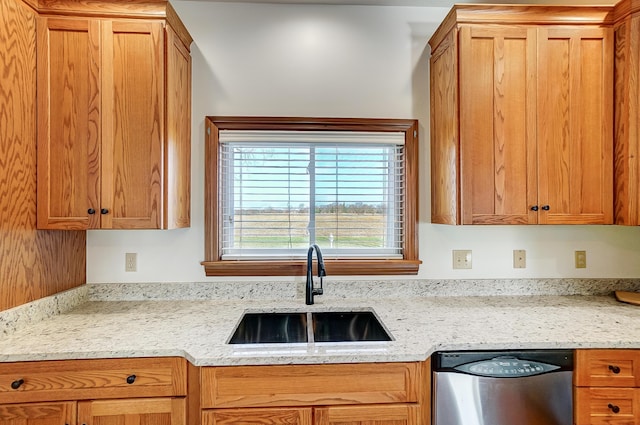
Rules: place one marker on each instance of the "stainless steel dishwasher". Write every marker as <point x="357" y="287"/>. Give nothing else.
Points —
<point x="503" y="387"/>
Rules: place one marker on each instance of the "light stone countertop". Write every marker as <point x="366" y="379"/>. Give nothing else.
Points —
<point x="198" y="329"/>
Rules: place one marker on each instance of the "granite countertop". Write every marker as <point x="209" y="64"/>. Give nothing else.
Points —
<point x="198" y="329"/>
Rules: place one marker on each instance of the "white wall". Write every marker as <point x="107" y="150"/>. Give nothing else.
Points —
<point x="346" y="61"/>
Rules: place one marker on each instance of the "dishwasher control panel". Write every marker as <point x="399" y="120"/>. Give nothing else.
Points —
<point x="505" y="367"/>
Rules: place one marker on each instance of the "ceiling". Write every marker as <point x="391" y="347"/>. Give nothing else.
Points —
<point x="420" y="3"/>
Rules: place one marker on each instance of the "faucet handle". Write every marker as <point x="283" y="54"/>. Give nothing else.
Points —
<point x="320" y="290"/>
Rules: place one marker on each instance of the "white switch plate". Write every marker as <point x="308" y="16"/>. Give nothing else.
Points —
<point x="581" y="259"/>
<point x="461" y="258"/>
<point x="519" y="259"/>
<point x="131" y="262"/>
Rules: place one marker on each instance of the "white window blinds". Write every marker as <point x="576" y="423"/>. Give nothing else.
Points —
<point x="281" y="191"/>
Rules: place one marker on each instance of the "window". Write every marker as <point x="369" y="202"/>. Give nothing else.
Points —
<point x="276" y="185"/>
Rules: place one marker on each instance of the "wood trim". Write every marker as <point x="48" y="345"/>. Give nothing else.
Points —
<point x="104" y="8"/>
<point x="213" y="264"/>
<point x="177" y="25"/>
<point x="299" y="268"/>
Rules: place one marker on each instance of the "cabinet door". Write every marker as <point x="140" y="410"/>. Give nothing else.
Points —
<point x="406" y="414"/>
<point x="607" y="406"/>
<point x="277" y="416"/>
<point x="68" y="123"/>
<point x="497" y="124"/>
<point x="143" y="411"/>
<point x="62" y="413"/>
<point x="575" y="125"/>
<point x="133" y="124"/>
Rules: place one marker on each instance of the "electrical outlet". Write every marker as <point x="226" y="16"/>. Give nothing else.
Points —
<point x="131" y="262"/>
<point x="581" y="259"/>
<point x="462" y="259"/>
<point x="519" y="259"/>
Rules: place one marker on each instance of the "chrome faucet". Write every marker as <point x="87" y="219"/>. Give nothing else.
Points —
<point x="311" y="290"/>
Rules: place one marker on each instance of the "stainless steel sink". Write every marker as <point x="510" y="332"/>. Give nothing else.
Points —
<point x="348" y="326"/>
<point x="264" y="328"/>
<point x="303" y="327"/>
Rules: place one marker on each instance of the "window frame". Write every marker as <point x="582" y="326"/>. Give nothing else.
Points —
<point x="213" y="263"/>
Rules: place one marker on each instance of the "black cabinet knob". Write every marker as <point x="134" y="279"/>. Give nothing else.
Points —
<point x="104" y="211"/>
<point x="614" y="408"/>
<point x="546" y="207"/>
<point x="17" y="383"/>
<point x="534" y="208"/>
<point x="91" y="211"/>
<point x="131" y="379"/>
<point x="614" y="369"/>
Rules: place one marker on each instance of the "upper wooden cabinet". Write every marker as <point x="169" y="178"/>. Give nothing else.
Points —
<point x="627" y="113"/>
<point x="522" y="116"/>
<point x="114" y="119"/>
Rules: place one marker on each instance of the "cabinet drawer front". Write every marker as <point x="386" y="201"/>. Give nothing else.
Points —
<point x="595" y="406"/>
<point x="94" y="379"/>
<point x="309" y="385"/>
<point x="607" y="368"/>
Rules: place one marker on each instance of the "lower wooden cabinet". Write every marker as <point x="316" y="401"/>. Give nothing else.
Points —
<point x="403" y="414"/>
<point x="329" y="394"/>
<point x="150" y="391"/>
<point x="61" y="413"/>
<point x="600" y="406"/>
<point x="607" y="387"/>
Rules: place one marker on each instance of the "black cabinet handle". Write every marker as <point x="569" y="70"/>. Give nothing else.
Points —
<point x="91" y="211"/>
<point x="17" y="383"/>
<point x="614" y="369"/>
<point x="534" y="208"/>
<point x="104" y="211"/>
<point x="131" y="379"/>
<point x="614" y="408"/>
<point x="546" y="207"/>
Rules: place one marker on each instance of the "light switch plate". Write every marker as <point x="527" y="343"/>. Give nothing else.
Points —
<point x="461" y="258"/>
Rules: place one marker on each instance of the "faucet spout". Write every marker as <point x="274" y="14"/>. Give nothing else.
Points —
<point x="311" y="290"/>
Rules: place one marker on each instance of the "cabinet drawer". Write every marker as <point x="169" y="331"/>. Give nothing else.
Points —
<point x="307" y="385"/>
<point x="91" y="379"/>
<point x="596" y="406"/>
<point x="607" y="368"/>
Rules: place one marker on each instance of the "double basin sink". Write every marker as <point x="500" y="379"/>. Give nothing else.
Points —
<point x="308" y="327"/>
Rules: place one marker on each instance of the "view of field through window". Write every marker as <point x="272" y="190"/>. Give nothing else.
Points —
<point x="284" y="197"/>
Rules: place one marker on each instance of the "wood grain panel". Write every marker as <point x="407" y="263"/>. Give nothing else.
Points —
<point x="445" y="153"/>
<point x="33" y="264"/>
<point x="178" y="140"/>
<point x="407" y="414"/>
<point x="275" y="416"/>
<point x="607" y="406"/>
<point x="86" y="379"/>
<point x="497" y="104"/>
<point x="139" y="411"/>
<point x="38" y="414"/>
<point x="133" y="124"/>
<point x="268" y="386"/>
<point x="68" y="123"/>
<point x="627" y="122"/>
<point x="607" y="368"/>
<point x="575" y="125"/>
